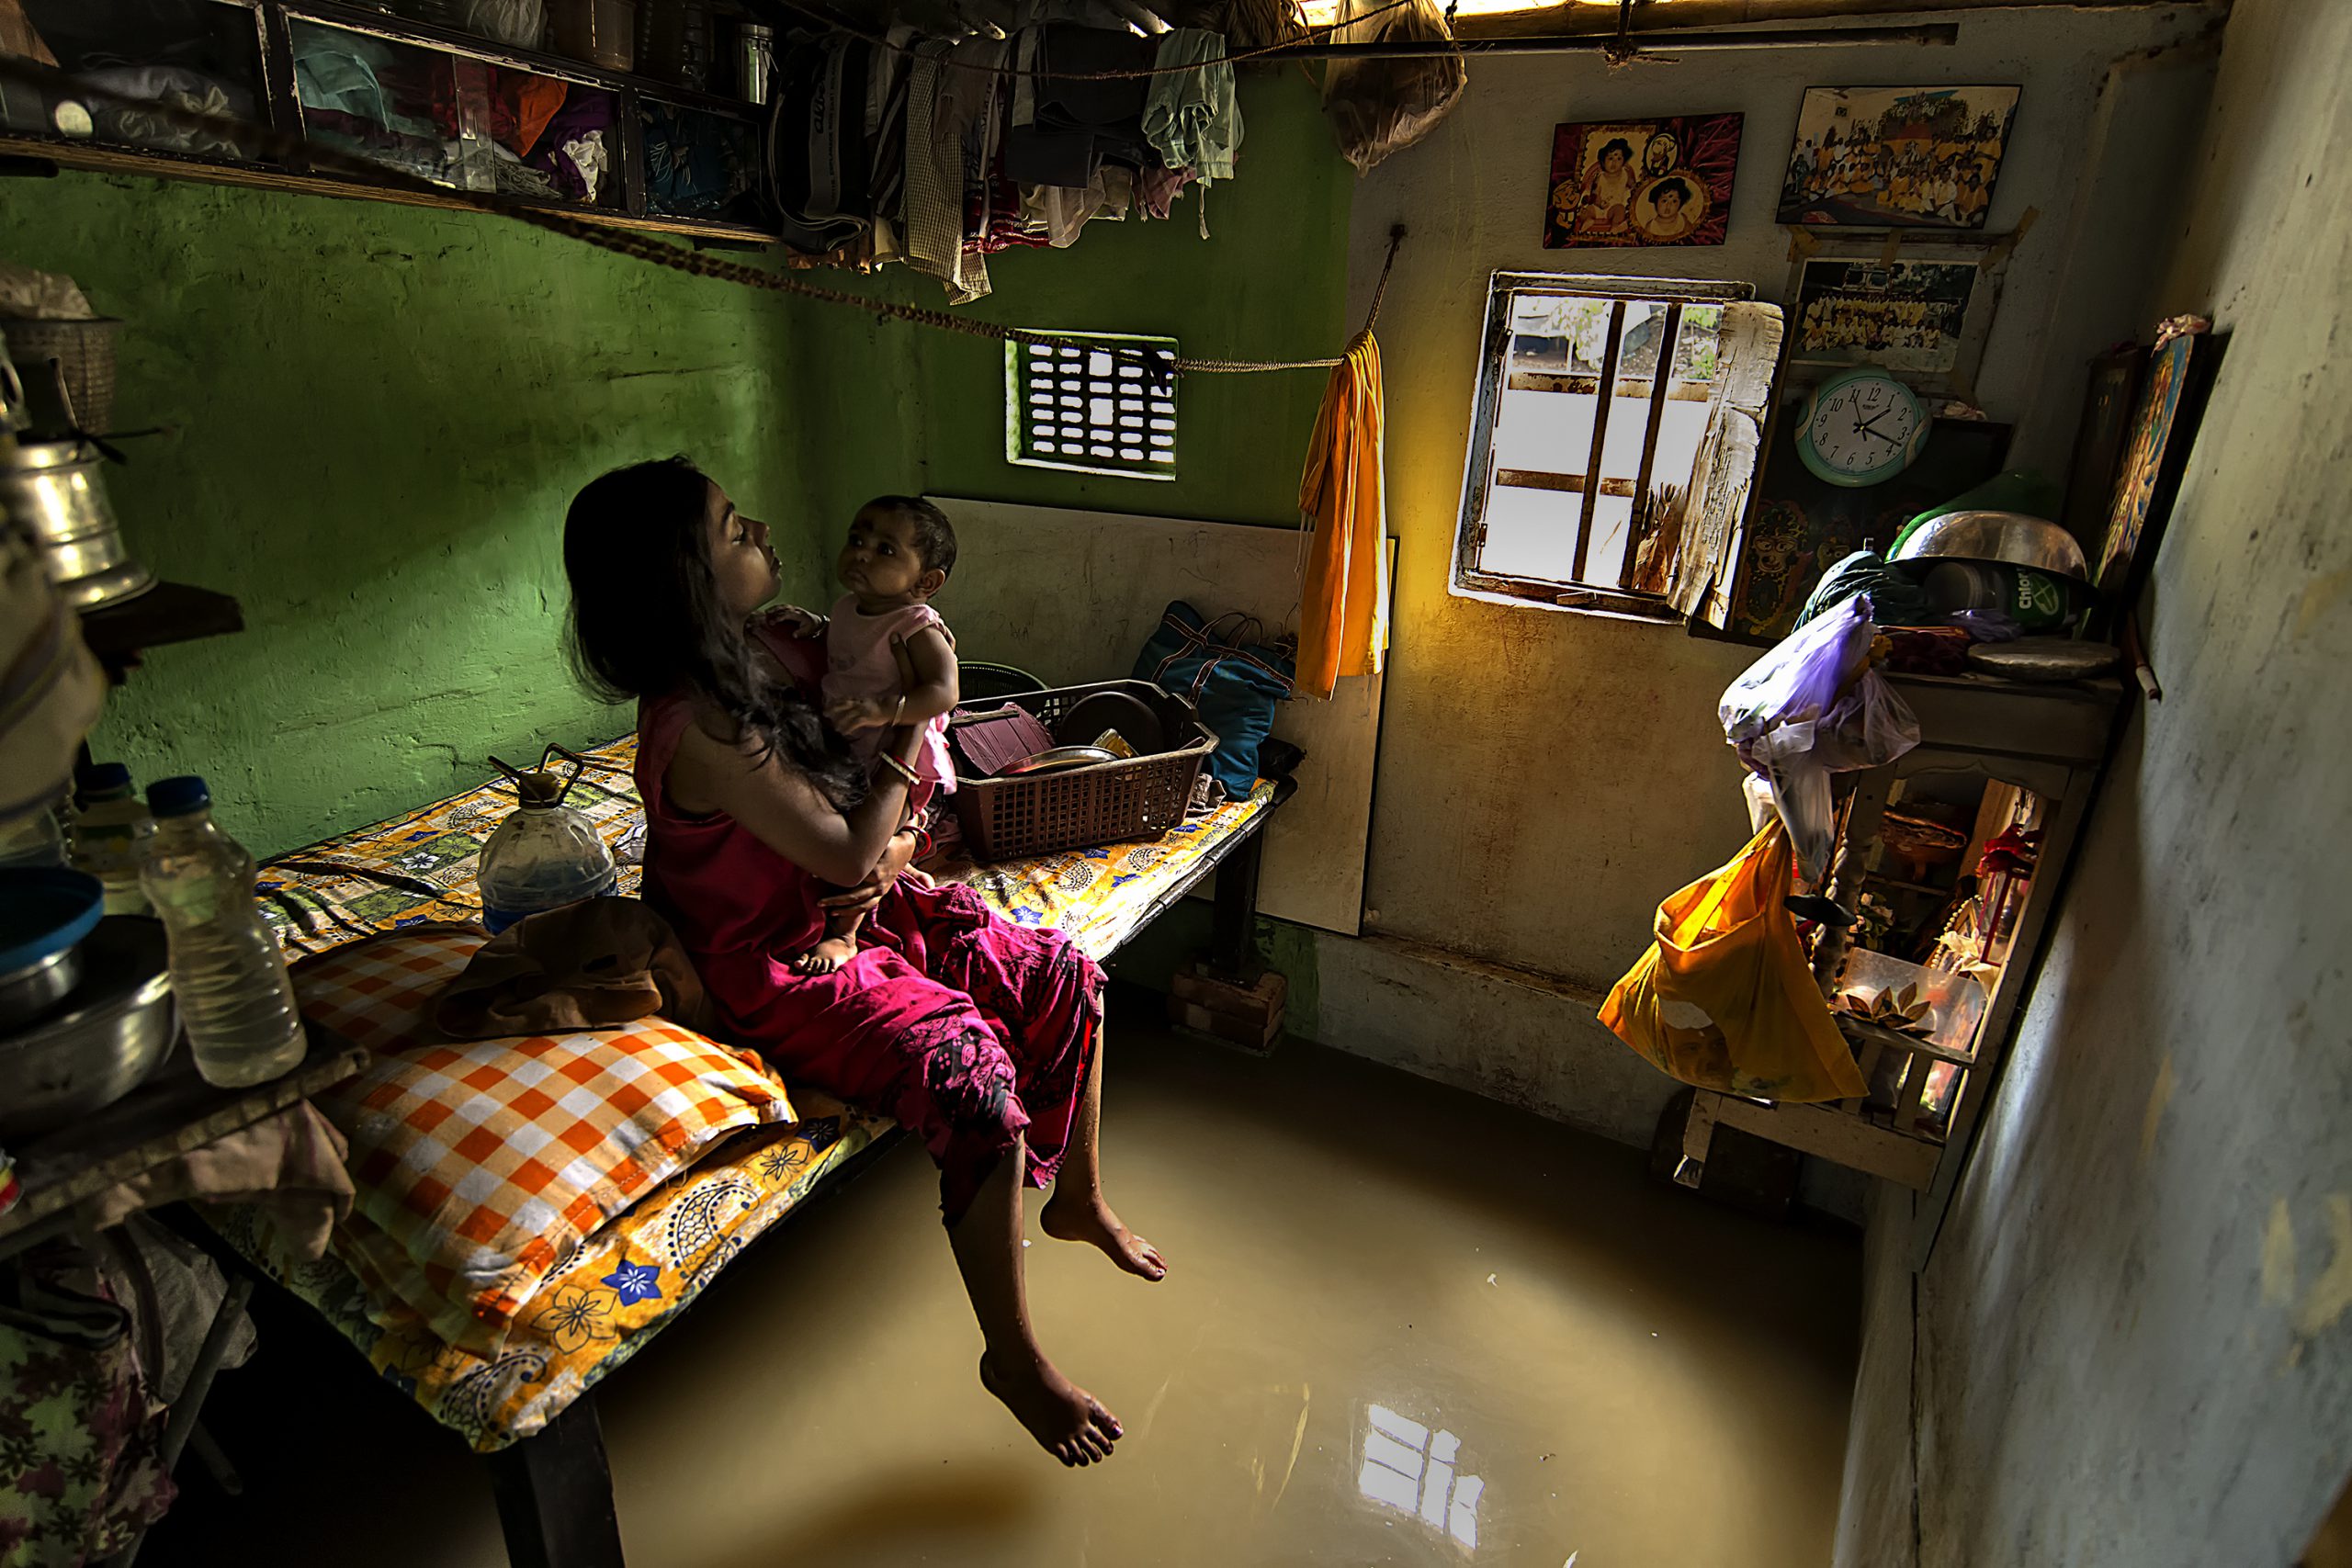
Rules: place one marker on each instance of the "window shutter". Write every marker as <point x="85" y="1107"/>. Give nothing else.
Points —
<point x="1093" y="403"/>
<point x="1699" y="579"/>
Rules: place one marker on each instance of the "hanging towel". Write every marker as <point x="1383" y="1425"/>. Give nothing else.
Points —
<point x="935" y="176"/>
<point x="1192" y="118"/>
<point x="1343" y="615"/>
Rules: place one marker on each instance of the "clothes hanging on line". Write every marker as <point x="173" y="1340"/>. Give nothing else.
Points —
<point x="938" y="154"/>
<point x="1193" y="120"/>
<point x="1342" y="500"/>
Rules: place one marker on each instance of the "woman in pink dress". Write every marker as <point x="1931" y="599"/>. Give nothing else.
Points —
<point x="982" y="1038"/>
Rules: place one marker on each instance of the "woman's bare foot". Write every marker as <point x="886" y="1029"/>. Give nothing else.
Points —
<point x="1067" y="1422"/>
<point x="1092" y="1221"/>
<point x="826" y="956"/>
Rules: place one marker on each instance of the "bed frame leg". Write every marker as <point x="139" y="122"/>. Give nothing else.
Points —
<point x="555" y="1495"/>
<point x="1233" y="940"/>
<point x="1698" y="1138"/>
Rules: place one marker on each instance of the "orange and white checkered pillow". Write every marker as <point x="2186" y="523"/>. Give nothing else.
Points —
<point x="481" y="1165"/>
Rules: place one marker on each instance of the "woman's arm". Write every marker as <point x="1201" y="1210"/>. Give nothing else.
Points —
<point x="787" y="812"/>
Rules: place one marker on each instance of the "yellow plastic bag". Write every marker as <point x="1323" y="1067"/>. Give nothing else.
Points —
<point x="1722" y="999"/>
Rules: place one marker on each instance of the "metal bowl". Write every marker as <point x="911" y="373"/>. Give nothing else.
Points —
<point x="2044" y="659"/>
<point x="2011" y="537"/>
<point x="45" y="913"/>
<point x="1061" y="759"/>
<point x="116" y="1029"/>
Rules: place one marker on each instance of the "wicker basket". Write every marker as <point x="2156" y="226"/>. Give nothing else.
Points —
<point x="85" y="354"/>
<point x="1137" y="797"/>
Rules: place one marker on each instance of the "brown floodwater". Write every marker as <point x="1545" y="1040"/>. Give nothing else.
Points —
<point x="1403" y="1324"/>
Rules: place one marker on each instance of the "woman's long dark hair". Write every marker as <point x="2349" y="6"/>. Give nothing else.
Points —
<point x="646" y="618"/>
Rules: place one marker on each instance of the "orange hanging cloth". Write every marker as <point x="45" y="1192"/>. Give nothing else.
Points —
<point x="1343" y="610"/>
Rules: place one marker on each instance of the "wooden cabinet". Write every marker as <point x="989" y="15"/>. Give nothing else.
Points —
<point x="1993" y="755"/>
<point x="338" y="87"/>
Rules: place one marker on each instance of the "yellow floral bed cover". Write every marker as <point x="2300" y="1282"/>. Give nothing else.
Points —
<point x="644" y="1268"/>
<point x="420" y="867"/>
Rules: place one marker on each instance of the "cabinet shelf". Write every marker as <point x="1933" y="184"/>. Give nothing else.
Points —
<point x="167" y="613"/>
<point x="538" y="61"/>
<point x="29" y="148"/>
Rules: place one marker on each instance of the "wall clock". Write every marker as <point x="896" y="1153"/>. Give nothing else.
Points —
<point x="1860" y="428"/>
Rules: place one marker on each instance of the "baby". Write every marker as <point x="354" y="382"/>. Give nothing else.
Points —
<point x="900" y="552"/>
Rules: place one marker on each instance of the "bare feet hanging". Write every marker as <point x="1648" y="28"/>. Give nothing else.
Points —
<point x="1091" y="1220"/>
<point x="1067" y="1422"/>
<point x="826" y="956"/>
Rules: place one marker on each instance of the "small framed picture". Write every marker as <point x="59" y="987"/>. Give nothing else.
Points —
<point x="2171" y="401"/>
<point x="1918" y="306"/>
<point x="1896" y="157"/>
<point x="1642" y="182"/>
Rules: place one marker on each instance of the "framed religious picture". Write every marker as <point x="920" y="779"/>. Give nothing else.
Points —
<point x="2164" y="423"/>
<point x="2110" y="399"/>
<point x="1800" y="524"/>
<point x="1642" y="182"/>
<point x="1920" y="308"/>
<point x="1896" y="157"/>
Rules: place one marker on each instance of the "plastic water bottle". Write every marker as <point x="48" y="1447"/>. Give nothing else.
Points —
<point x="111" y="832"/>
<point x="226" y="971"/>
<point x="543" y="857"/>
<point x="32" y="840"/>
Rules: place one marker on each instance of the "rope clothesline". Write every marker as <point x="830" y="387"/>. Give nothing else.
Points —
<point x="293" y="152"/>
<point x="881" y="41"/>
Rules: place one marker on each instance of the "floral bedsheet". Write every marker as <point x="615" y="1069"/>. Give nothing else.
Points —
<point x="609" y="1301"/>
<point x="420" y="867"/>
<point x="643" y="1268"/>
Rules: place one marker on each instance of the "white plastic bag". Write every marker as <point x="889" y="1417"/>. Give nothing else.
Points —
<point x="1379" y="106"/>
<point x="518" y="22"/>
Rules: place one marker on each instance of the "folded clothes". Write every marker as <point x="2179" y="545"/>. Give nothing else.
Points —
<point x="575" y="148"/>
<point x="989" y="743"/>
<point x="595" y="965"/>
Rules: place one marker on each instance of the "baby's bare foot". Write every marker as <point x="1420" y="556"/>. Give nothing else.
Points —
<point x="1091" y="1220"/>
<point x="1067" y="1422"/>
<point x="826" y="956"/>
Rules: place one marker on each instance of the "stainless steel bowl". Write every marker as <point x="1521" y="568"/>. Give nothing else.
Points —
<point x="47" y="912"/>
<point x="1061" y="759"/>
<point x="117" y="1028"/>
<point x="33" y="990"/>
<point x="2011" y="537"/>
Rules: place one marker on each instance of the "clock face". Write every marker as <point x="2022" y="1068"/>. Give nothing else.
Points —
<point x="1862" y="428"/>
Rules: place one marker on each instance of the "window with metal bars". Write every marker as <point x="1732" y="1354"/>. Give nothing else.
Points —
<point x="1595" y="444"/>
<point x="1096" y="404"/>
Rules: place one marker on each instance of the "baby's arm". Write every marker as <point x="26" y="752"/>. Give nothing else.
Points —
<point x="935" y="690"/>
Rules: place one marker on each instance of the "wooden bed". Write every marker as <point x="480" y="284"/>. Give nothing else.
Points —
<point x="527" y="1404"/>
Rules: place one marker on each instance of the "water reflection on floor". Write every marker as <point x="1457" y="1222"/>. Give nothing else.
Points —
<point x="1403" y="1325"/>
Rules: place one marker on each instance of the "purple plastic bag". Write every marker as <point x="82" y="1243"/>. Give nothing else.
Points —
<point x="1801" y="677"/>
<point x="1810" y="708"/>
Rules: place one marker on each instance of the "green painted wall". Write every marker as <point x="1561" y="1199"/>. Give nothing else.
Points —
<point x="908" y="408"/>
<point x="382" y="412"/>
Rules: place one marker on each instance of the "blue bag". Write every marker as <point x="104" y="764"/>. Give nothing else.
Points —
<point x="1235" y="683"/>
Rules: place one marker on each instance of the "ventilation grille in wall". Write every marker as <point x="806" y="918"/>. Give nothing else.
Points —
<point x="1101" y="404"/>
